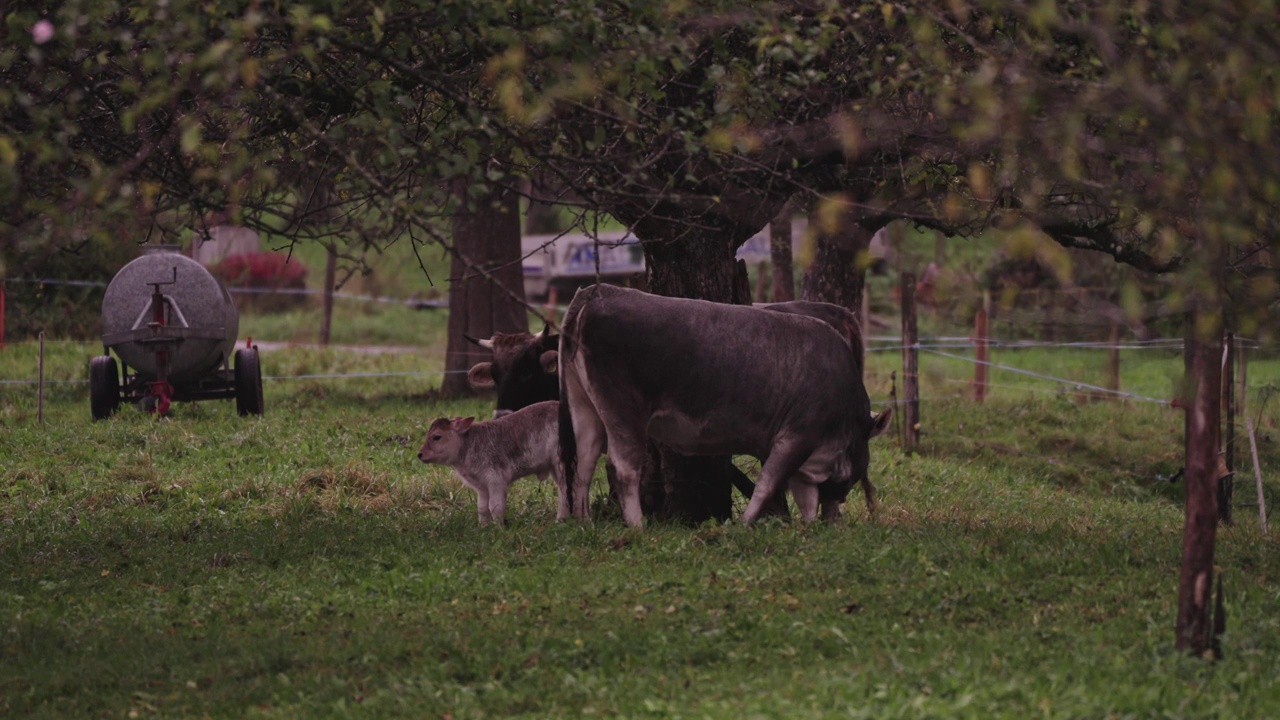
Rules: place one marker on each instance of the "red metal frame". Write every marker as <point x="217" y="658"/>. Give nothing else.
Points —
<point x="161" y="390"/>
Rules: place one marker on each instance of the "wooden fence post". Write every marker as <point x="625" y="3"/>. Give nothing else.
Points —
<point x="1257" y="475"/>
<point x="1113" y="359"/>
<point x="552" y="299"/>
<point x="330" y="276"/>
<point x="893" y="403"/>
<point x="1242" y="379"/>
<point x="864" y="316"/>
<point x="910" y="365"/>
<point x="981" y="334"/>
<point x="40" y="383"/>
<point x="1226" y="484"/>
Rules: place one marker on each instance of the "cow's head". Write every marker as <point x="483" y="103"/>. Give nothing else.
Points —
<point x="445" y="440"/>
<point x="833" y="492"/>
<point x="523" y="369"/>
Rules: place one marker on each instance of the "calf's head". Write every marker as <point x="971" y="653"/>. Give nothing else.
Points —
<point x="523" y="369"/>
<point x="445" y="440"/>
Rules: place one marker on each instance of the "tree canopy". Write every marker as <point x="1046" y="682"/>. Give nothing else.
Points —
<point x="1136" y="129"/>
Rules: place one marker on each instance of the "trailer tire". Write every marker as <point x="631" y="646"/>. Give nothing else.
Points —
<point x="104" y="386"/>
<point x="248" y="382"/>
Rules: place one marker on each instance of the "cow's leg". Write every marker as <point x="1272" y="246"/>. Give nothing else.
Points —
<point x="805" y="494"/>
<point x="577" y="407"/>
<point x="627" y="452"/>
<point x="589" y="435"/>
<point x="869" y="491"/>
<point x="783" y="462"/>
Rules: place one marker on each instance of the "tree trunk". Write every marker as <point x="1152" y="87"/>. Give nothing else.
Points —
<point x="484" y="276"/>
<point x="780" y="256"/>
<point x="692" y="489"/>
<point x="836" y="275"/>
<point x="1195" y="587"/>
<point x="696" y="267"/>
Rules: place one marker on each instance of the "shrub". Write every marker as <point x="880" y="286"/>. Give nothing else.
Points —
<point x="69" y="303"/>
<point x="264" y="272"/>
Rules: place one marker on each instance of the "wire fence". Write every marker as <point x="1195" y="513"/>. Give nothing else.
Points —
<point x="942" y="347"/>
<point x="308" y="292"/>
<point x="957" y="348"/>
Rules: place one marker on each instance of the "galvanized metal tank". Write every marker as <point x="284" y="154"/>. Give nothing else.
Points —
<point x="198" y="311"/>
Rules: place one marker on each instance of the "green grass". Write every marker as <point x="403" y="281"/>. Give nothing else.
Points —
<point x="304" y="564"/>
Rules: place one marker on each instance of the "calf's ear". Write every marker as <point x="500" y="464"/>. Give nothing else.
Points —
<point x="462" y="425"/>
<point x="480" y="376"/>
<point x="881" y="422"/>
<point x="550" y="361"/>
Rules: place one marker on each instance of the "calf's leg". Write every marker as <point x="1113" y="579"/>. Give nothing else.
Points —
<point x="482" y="503"/>
<point x="498" y="502"/>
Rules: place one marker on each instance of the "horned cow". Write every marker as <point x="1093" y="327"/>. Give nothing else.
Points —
<point x="522" y="370"/>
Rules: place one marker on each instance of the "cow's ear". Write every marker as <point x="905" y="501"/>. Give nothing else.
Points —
<point x="462" y="425"/>
<point x="480" y="376"/>
<point x="881" y="422"/>
<point x="550" y="361"/>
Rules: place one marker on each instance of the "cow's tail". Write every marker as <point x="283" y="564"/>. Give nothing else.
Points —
<point x="568" y="441"/>
<point x="568" y="444"/>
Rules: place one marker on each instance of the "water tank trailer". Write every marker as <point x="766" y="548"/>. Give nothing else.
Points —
<point x="173" y="325"/>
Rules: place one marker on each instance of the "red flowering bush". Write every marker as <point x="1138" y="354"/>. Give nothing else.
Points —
<point x="271" y="280"/>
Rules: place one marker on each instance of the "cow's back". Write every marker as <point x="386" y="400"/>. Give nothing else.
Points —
<point x="743" y="372"/>
<point x="841" y="319"/>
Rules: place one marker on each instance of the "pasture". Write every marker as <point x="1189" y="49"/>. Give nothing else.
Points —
<point x="304" y="564"/>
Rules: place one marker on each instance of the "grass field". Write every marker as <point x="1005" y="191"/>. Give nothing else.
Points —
<point x="304" y="564"/>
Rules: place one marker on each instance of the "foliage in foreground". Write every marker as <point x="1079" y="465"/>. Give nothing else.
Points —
<point x="305" y="565"/>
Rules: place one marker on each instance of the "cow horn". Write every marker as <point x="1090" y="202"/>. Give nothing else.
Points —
<point x="487" y="343"/>
<point x="541" y="333"/>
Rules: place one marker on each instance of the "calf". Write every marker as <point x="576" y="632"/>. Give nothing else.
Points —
<point x="489" y="456"/>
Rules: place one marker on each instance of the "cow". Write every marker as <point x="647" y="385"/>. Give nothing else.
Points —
<point x="832" y="493"/>
<point x="489" y="456"/>
<point x="711" y="379"/>
<point x="519" y="370"/>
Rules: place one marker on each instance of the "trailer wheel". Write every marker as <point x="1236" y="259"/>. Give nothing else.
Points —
<point x="104" y="386"/>
<point x="248" y="382"/>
